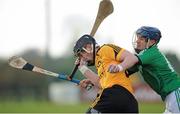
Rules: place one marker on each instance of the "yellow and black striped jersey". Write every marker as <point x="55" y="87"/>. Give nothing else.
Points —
<point x="106" y="55"/>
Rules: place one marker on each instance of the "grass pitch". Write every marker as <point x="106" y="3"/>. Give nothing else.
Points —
<point x="48" y="107"/>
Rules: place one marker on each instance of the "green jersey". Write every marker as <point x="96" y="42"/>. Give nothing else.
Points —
<point x="158" y="72"/>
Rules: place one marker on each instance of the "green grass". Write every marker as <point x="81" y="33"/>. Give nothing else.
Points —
<point x="151" y="107"/>
<point x="47" y="107"/>
<point x="37" y="106"/>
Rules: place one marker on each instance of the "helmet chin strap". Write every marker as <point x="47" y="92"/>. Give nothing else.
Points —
<point x="147" y="44"/>
<point x="91" y="63"/>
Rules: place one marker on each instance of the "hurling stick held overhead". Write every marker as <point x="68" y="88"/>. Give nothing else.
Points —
<point x="105" y="9"/>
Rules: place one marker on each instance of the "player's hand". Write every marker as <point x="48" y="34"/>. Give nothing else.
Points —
<point x="77" y="61"/>
<point x="114" y="68"/>
<point x="85" y="84"/>
<point x="81" y="62"/>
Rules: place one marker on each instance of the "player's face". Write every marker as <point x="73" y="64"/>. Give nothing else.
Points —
<point x="87" y="54"/>
<point x="140" y="43"/>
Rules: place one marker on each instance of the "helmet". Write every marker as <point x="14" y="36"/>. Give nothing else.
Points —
<point x="147" y="32"/>
<point x="151" y="33"/>
<point x="79" y="47"/>
<point x="83" y="40"/>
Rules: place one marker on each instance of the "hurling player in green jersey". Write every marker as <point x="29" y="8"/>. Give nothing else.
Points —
<point x="154" y="67"/>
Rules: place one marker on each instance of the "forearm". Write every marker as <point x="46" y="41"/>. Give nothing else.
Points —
<point x="89" y="74"/>
<point x="126" y="60"/>
<point x="129" y="62"/>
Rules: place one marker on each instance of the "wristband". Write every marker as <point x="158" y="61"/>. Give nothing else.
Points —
<point x="83" y="69"/>
<point x="120" y="67"/>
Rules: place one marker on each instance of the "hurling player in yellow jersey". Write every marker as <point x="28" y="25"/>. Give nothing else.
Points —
<point x="116" y="93"/>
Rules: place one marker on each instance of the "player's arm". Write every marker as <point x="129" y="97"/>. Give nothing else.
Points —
<point x="89" y="74"/>
<point x="126" y="59"/>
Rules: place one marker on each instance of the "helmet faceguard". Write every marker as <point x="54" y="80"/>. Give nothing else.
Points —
<point x="134" y="43"/>
<point x="149" y="33"/>
<point x="80" y="47"/>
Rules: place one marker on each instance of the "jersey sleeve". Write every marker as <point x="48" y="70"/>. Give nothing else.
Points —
<point x="107" y="53"/>
<point x="112" y="52"/>
<point x="119" y="54"/>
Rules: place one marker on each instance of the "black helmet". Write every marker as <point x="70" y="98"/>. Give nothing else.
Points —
<point x="83" y="40"/>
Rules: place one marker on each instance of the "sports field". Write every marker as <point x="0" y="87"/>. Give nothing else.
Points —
<point x="47" y="107"/>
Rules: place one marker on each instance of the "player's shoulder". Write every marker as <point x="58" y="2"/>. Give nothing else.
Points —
<point x="104" y="49"/>
<point x="112" y="46"/>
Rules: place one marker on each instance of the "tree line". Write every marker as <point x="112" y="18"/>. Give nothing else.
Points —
<point x="18" y="84"/>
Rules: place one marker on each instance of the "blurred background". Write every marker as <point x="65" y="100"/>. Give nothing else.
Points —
<point x="44" y="33"/>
